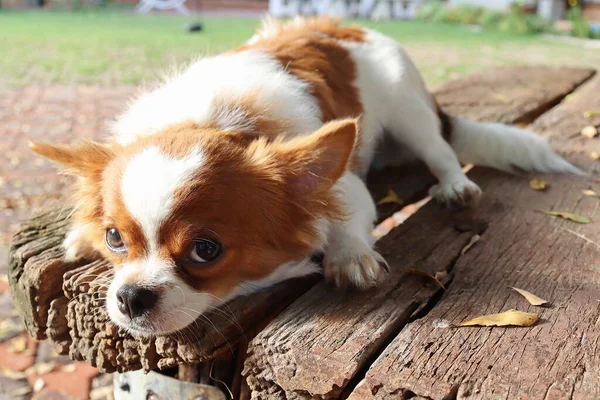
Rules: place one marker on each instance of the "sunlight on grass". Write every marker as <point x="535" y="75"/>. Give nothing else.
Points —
<point x="110" y="48"/>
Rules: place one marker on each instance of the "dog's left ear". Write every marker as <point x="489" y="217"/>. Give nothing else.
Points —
<point x="85" y="159"/>
<point x="315" y="162"/>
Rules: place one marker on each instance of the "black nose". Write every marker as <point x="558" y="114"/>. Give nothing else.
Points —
<point x="134" y="300"/>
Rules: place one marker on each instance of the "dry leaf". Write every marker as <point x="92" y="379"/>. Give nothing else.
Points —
<point x="566" y="215"/>
<point x="591" y="113"/>
<point x="441" y="275"/>
<point x="507" y="318"/>
<point x="69" y="368"/>
<point x="412" y="271"/>
<point x="18" y="345"/>
<point x="391" y="197"/>
<point x="439" y="323"/>
<point x="531" y="298"/>
<point x="468" y="246"/>
<point x="41" y="368"/>
<point x="12" y="374"/>
<point x="594" y="155"/>
<point x="38" y="385"/>
<point x="590" y="193"/>
<point x="589" y="131"/>
<point x="20" y="392"/>
<point x="538" y="184"/>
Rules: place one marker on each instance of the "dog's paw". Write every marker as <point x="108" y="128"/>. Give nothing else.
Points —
<point x="361" y="270"/>
<point x="462" y="193"/>
<point x="76" y="246"/>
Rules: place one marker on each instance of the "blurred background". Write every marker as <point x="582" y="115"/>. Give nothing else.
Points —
<point x="67" y="67"/>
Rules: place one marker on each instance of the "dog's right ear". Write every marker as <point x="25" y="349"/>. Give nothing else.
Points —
<point x="85" y="159"/>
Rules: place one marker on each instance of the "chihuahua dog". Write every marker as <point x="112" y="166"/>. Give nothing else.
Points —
<point x="229" y="176"/>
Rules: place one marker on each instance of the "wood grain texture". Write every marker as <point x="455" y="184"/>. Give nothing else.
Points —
<point x="558" y="358"/>
<point x="320" y="345"/>
<point x="509" y="94"/>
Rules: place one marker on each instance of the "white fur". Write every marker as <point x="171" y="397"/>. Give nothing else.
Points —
<point x="504" y="147"/>
<point x="149" y="183"/>
<point x="349" y="256"/>
<point x="196" y="95"/>
<point x="178" y="306"/>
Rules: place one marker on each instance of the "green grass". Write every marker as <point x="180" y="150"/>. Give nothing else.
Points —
<point x="113" y="48"/>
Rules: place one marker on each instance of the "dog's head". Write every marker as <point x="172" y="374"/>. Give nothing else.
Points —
<point x="189" y="214"/>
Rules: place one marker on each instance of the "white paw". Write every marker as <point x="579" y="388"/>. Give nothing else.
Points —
<point x="76" y="246"/>
<point x="361" y="270"/>
<point x="461" y="193"/>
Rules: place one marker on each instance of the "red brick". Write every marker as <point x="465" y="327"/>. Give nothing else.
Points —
<point x="77" y="383"/>
<point x="17" y="361"/>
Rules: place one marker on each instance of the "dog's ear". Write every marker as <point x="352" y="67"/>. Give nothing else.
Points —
<point x="85" y="159"/>
<point x="315" y="162"/>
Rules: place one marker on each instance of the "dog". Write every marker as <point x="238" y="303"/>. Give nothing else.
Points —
<point x="228" y="177"/>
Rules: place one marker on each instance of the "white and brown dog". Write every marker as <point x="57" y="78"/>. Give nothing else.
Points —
<point x="229" y="176"/>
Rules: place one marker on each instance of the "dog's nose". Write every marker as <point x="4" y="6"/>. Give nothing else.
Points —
<point x="134" y="300"/>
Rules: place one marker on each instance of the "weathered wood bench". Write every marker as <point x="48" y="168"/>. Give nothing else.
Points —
<point x="303" y="339"/>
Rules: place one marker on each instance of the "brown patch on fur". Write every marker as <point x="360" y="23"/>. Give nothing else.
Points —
<point x="86" y="160"/>
<point x="310" y="50"/>
<point x="324" y="25"/>
<point x="256" y="119"/>
<point x="244" y="198"/>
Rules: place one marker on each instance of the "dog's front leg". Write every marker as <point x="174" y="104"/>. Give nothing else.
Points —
<point x="349" y="256"/>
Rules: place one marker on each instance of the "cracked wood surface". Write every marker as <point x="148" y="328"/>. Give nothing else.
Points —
<point x="320" y="345"/>
<point x="558" y="358"/>
<point x="59" y="300"/>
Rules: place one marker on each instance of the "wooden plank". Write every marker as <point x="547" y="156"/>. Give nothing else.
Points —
<point x="525" y="93"/>
<point x="321" y="344"/>
<point x="84" y="332"/>
<point x="559" y="358"/>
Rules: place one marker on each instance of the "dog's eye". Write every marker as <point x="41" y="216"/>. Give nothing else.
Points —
<point x="205" y="250"/>
<point x="114" y="241"/>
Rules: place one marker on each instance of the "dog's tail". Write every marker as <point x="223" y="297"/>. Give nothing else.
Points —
<point x="504" y="147"/>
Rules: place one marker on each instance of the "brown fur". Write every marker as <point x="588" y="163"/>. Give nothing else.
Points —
<point x="311" y="51"/>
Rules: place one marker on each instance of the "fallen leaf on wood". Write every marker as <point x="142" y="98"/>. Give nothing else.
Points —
<point x="12" y="374"/>
<point x="507" y="318"/>
<point x="566" y="215"/>
<point x="20" y="392"/>
<point x="538" y="184"/>
<point x="9" y="328"/>
<point x="413" y="271"/>
<point x="440" y="275"/>
<point x="38" y="385"/>
<point x="530" y="297"/>
<point x="41" y="368"/>
<point x="589" y="132"/>
<point x="471" y="243"/>
<point x="590" y="193"/>
<point x="594" y="155"/>
<point x="392" y="198"/>
<point x="591" y="113"/>
<point x="69" y="368"/>
<point x="18" y="345"/>
<point x="439" y="323"/>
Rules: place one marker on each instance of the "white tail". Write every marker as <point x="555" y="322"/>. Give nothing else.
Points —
<point x="505" y="148"/>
